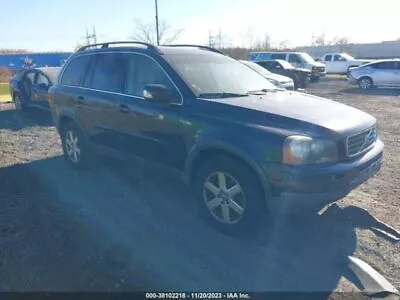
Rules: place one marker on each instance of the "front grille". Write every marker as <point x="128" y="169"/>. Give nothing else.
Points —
<point x="321" y="69"/>
<point x="360" y="142"/>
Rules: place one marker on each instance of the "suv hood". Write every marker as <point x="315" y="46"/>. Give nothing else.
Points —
<point x="329" y="114"/>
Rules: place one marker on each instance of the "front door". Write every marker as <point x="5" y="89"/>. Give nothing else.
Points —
<point x="158" y="137"/>
<point x="384" y="73"/>
<point x="40" y="90"/>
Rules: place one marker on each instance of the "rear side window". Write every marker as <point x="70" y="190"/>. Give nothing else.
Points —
<point x="328" y="58"/>
<point x="108" y="73"/>
<point x="338" y="58"/>
<point x="142" y="70"/>
<point x="278" y="56"/>
<point x="294" y="58"/>
<point x="75" y="70"/>
<point x="385" y="65"/>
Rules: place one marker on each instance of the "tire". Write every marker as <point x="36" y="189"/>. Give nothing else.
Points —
<point x="236" y="214"/>
<point x="75" y="147"/>
<point x="18" y="103"/>
<point x="365" y="83"/>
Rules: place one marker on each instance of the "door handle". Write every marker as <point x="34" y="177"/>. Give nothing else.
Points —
<point x="80" y="99"/>
<point x="124" y="109"/>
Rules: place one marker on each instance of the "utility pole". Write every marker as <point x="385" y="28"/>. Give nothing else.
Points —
<point x="91" y="36"/>
<point x="157" y="28"/>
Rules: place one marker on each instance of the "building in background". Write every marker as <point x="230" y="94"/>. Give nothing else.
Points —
<point x="32" y="60"/>
<point x="388" y="49"/>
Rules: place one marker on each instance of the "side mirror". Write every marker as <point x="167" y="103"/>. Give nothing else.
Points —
<point x="159" y="93"/>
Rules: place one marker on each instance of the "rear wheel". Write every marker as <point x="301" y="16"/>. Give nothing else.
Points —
<point x="229" y="196"/>
<point x="365" y="83"/>
<point x="75" y="147"/>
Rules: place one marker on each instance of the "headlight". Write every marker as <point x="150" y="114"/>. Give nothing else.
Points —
<point x="299" y="150"/>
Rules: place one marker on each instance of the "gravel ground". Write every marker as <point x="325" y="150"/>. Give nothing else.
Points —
<point x="134" y="227"/>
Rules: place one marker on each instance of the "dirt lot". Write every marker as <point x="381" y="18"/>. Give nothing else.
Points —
<point x="133" y="227"/>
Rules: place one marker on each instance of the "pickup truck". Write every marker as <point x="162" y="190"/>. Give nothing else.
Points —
<point x="340" y="63"/>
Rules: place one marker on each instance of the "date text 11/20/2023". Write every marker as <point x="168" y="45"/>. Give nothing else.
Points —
<point x="228" y="295"/>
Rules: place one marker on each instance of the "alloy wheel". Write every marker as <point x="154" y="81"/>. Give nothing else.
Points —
<point x="72" y="146"/>
<point x="365" y="83"/>
<point x="224" y="198"/>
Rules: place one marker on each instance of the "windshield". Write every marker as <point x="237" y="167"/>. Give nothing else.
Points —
<point x="307" y="58"/>
<point x="256" y="68"/>
<point x="285" y="64"/>
<point x="214" y="74"/>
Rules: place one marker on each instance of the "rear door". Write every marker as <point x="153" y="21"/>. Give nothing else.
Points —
<point x="99" y="105"/>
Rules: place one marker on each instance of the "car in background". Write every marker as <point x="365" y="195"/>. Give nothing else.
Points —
<point x="341" y="63"/>
<point x="300" y="76"/>
<point x="297" y="59"/>
<point x="278" y="80"/>
<point x="381" y="73"/>
<point x="29" y="88"/>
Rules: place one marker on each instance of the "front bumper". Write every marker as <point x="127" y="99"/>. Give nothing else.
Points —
<point x="318" y="185"/>
<point x="351" y="80"/>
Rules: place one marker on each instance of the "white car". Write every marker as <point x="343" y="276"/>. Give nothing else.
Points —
<point x="341" y="63"/>
<point x="381" y="73"/>
<point x="278" y="80"/>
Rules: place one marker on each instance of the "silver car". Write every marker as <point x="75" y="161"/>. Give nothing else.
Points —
<point x="276" y="79"/>
<point x="381" y="73"/>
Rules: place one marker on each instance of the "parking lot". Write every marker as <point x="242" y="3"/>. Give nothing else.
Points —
<point x="130" y="227"/>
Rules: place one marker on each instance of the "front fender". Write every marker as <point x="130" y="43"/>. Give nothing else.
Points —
<point x="228" y="147"/>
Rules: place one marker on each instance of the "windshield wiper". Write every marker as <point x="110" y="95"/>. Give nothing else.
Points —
<point x="264" y="91"/>
<point x="222" y="95"/>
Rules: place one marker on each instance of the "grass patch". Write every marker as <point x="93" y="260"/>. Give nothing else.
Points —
<point x="4" y="93"/>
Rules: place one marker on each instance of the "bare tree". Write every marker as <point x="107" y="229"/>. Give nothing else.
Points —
<point x="146" y="32"/>
<point x="318" y="40"/>
<point x="264" y="43"/>
<point x="283" y="45"/>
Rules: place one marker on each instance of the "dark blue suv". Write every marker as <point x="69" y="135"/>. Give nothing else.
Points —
<point x="243" y="145"/>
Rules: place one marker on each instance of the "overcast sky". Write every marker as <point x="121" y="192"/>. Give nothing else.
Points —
<point x="50" y="25"/>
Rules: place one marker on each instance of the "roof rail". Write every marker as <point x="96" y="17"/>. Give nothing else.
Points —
<point x="106" y="44"/>
<point x="196" y="46"/>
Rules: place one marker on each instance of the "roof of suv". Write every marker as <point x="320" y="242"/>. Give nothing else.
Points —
<point x="145" y="47"/>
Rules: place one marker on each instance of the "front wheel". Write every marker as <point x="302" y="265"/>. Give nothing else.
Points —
<point x="365" y="83"/>
<point x="229" y="196"/>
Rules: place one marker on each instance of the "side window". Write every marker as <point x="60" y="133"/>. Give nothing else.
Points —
<point x="328" y="57"/>
<point x="385" y="65"/>
<point x="277" y="66"/>
<point x="75" y="70"/>
<point x="142" y="70"/>
<point x="294" y="58"/>
<point x="338" y="57"/>
<point x="30" y="76"/>
<point x="278" y="56"/>
<point x="263" y="64"/>
<point x="42" y="79"/>
<point x="109" y="73"/>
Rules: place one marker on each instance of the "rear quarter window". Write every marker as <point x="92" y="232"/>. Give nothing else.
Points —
<point x="75" y="70"/>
